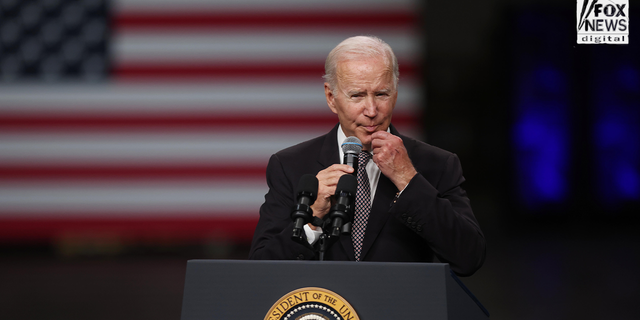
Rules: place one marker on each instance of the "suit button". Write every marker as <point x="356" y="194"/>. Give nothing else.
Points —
<point x="419" y="228"/>
<point x="404" y="215"/>
<point x="409" y="219"/>
<point x="301" y="257"/>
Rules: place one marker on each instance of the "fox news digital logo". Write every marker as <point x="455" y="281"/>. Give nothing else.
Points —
<point x="602" y="21"/>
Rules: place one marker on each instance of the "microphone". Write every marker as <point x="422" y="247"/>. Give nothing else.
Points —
<point x="341" y="211"/>
<point x="306" y="194"/>
<point x="351" y="147"/>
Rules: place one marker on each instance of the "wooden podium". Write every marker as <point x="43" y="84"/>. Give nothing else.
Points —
<point x="236" y="289"/>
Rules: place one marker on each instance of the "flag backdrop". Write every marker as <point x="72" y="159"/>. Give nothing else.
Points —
<point x="155" y="119"/>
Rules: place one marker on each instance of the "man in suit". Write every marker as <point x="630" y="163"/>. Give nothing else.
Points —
<point x="415" y="209"/>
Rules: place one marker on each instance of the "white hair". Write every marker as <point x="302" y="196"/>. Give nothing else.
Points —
<point x="356" y="47"/>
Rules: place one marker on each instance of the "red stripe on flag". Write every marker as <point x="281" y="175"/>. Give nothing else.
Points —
<point x="251" y="122"/>
<point x="208" y="19"/>
<point x="128" y="229"/>
<point x="133" y="172"/>
<point x="142" y="70"/>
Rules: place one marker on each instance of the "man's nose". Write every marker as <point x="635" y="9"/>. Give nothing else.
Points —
<point x="370" y="106"/>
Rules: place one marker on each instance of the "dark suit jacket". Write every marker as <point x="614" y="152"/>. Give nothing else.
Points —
<point x="431" y="218"/>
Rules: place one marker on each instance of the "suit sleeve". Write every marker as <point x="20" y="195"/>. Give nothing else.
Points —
<point x="272" y="238"/>
<point x="440" y="212"/>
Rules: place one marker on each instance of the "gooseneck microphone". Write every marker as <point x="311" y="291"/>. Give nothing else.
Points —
<point x="306" y="194"/>
<point x="341" y="212"/>
<point x="351" y="147"/>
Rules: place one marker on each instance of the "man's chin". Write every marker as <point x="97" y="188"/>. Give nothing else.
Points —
<point x="365" y="139"/>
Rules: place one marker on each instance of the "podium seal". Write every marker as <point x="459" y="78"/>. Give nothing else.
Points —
<point x="311" y="304"/>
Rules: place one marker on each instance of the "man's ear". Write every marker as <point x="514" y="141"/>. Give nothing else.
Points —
<point x="331" y="99"/>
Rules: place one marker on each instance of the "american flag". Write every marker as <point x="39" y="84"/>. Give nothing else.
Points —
<point x="175" y="142"/>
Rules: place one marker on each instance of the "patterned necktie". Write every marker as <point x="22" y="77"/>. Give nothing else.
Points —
<point x="363" y="203"/>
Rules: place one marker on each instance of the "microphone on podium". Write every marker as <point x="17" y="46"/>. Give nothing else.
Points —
<point x="341" y="212"/>
<point x="306" y="194"/>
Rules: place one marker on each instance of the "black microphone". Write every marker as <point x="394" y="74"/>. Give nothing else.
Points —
<point x="306" y="194"/>
<point x="351" y="147"/>
<point x="341" y="212"/>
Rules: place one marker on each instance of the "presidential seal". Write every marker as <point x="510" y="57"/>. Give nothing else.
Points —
<point x="311" y="304"/>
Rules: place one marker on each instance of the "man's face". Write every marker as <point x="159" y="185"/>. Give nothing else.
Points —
<point x="364" y="98"/>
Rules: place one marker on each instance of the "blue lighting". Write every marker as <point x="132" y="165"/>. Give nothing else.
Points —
<point x="616" y="134"/>
<point x="575" y="129"/>
<point x="541" y="136"/>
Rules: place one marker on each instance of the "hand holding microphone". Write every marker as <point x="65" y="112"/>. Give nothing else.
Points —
<point x="328" y="179"/>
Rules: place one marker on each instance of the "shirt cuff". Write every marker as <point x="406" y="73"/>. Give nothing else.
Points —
<point x="312" y="235"/>
<point x="405" y="188"/>
<point x="400" y="192"/>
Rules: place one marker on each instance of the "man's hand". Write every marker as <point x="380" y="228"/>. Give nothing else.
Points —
<point x="391" y="157"/>
<point x="327" y="183"/>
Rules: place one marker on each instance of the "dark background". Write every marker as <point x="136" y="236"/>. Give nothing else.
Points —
<point x="572" y="257"/>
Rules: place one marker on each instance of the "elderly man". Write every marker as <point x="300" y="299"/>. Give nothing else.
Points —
<point x="418" y="211"/>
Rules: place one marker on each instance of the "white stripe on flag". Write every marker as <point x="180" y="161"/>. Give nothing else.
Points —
<point x="286" y="46"/>
<point x="155" y="199"/>
<point x="157" y="148"/>
<point x="229" y="97"/>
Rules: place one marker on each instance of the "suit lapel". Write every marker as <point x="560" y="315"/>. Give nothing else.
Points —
<point x="329" y="153"/>
<point x="379" y="213"/>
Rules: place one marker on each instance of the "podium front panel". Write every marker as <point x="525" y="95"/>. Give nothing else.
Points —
<point x="237" y="289"/>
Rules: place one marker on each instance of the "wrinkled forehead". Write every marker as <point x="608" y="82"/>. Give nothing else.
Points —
<point x="371" y="70"/>
<point x="366" y="53"/>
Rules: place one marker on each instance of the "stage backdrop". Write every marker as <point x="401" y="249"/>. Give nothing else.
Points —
<point x="140" y="120"/>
